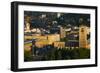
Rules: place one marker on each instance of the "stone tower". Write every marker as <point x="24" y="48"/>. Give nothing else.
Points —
<point x="62" y="32"/>
<point x="82" y="36"/>
<point x="28" y="27"/>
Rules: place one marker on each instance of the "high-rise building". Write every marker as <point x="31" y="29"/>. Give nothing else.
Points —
<point x="82" y="36"/>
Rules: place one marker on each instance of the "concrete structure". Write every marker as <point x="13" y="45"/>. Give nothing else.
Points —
<point x="59" y="44"/>
<point x="41" y="44"/>
<point x="83" y="37"/>
<point x="27" y="29"/>
<point x="53" y="37"/>
<point x="46" y="40"/>
<point x="62" y="32"/>
<point x="40" y="37"/>
<point x="36" y="30"/>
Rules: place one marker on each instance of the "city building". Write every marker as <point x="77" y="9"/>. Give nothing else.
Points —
<point x="62" y="32"/>
<point x="41" y="44"/>
<point x="36" y="30"/>
<point x="53" y="37"/>
<point x="40" y="37"/>
<point x="83" y="36"/>
<point x="59" y="44"/>
<point x="46" y="40"/>
<point x="27" y="29"/>
<point x="72" y="44"/>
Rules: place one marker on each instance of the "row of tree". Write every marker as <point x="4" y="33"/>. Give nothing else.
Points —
<point x="67" y="54"/>
<point x="60" y="54"/>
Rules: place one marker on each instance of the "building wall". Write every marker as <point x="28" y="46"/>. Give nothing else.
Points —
<point x="40" y="37"/>
<point x="54" y="37"/>
<point x="59" y="44"/>
<point x="47" y="40"/>
<point x="62" y="32"/>
<point x="27" y="27"/>
<point x="41" y="44"/>
<point x="83" y="37"/>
